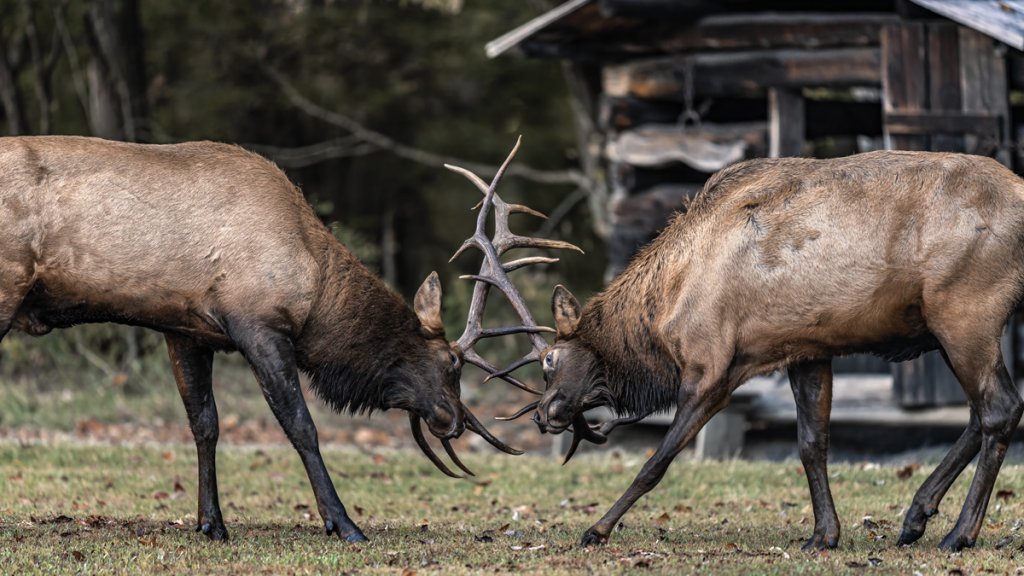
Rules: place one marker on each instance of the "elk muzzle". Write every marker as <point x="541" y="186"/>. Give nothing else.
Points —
<point x="554" y="413"/>
<point x="445" y="421"/>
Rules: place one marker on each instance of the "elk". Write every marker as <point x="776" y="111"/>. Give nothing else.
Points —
<point x="784" y="264"/>
<point x="214" y="247"/>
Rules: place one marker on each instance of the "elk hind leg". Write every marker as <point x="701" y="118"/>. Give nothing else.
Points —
<point x="978" y="364"/>
<point x="192" y="365"/>
<point x="812" y="389"/>
<point x="929" y="495"/>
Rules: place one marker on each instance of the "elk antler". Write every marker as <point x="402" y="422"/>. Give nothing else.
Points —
<point x="494" y="272"/>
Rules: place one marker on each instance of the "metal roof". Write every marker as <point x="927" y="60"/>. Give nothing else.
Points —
<point x="1002" y="20"/>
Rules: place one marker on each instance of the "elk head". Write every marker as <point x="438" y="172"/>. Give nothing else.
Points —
<point x="433" y="390"/>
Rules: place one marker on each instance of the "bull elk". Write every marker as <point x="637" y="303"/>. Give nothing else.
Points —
<point x="784" y="264"/>
<point x="214" y="247"/>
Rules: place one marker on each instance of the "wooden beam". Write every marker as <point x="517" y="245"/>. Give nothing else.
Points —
<point x="785" y="122"/>
<point x="944" y="81"/>
<point x="744" y="72"/>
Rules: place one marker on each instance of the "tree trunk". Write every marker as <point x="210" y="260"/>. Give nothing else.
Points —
<point x="115" y="73"/>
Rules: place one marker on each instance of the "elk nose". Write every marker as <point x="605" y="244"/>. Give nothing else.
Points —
<point x="443" y="423"/>
<point x="542" y="426"/>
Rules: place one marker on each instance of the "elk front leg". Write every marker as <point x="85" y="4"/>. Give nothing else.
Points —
<point x="693" y="411"/>
<point x="272" y="358"/>
<point x="812" y="389"/>
<point x="192" y="365"/>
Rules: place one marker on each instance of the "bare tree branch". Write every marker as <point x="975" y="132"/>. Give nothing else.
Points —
<point x="301" y="156"/>
<point x="386" y="143"/>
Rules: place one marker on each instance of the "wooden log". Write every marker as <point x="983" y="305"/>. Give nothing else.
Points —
<point x="824" y="117"/>
<point x="942" y="122"/>
<point x="708" y="147"/>
<point x="744" y="73"/>
<point x="752" y="31"/>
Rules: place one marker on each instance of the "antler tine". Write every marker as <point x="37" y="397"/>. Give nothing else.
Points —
<point x="521" y="262"/>
<point x="472" y="178"/>
<point x="520" y="209"/>
<point x="473" y="358"/>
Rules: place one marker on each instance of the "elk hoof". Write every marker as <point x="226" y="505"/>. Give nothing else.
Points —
<point x="819" y="542"/>
<point x="593" y="538"/>
<point x="213" y="531"/>
<point x="352" y="535"/>
<point x="909" y="535"/>
<point x="954" y="542"/>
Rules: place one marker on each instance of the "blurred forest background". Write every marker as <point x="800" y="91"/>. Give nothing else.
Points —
<point x="359" y="101"/>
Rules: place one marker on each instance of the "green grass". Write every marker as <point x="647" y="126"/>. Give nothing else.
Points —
<point x="70" y="508"/>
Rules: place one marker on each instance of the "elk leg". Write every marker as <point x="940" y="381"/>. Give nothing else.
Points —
<point x="193" y="371"/>
<point x="273" y="362"/>
<point x="929" y="495"/>
<point x="812" y="389"/>
<point x="995" y="399"/>
<point x="693" y="411"/>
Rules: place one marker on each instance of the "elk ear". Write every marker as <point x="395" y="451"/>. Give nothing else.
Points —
<point x="566" y="311"/>
<point x="428" y="306"/>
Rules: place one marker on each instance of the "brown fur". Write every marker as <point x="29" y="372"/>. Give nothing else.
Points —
<point x="788" y="262"/>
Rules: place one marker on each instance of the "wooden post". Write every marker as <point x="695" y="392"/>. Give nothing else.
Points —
<point x="903" y="79"/>
<point x="785" y="122"/>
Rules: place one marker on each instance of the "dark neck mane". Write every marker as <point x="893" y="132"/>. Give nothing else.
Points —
<point x="355" y="333"/>
<point x="618" y="326"/>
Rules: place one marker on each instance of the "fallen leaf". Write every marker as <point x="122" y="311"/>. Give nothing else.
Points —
<point x="78" y="555"/>
<point x="907" y="471"/>
<point x="662" y="519"/>
<point x="1005" y="494"/>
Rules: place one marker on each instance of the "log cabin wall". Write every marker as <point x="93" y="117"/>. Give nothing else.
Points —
<point x="673" y="91"/>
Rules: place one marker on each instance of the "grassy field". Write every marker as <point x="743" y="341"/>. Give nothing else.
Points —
<point x="73" y="508"/>
<point x="97" y="475"/>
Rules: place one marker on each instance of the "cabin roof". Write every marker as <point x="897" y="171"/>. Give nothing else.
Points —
<point x="612" y="29"/>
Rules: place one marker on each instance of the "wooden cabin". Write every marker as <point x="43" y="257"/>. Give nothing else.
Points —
<point x="666" y="92"/>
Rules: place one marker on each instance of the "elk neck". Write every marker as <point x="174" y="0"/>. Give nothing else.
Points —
<point x="356" y="333"/>
<point x="620" y="326"/>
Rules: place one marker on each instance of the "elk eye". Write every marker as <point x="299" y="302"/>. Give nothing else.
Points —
<point x="549" y="360"/>
<point x="454" y="359"/>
